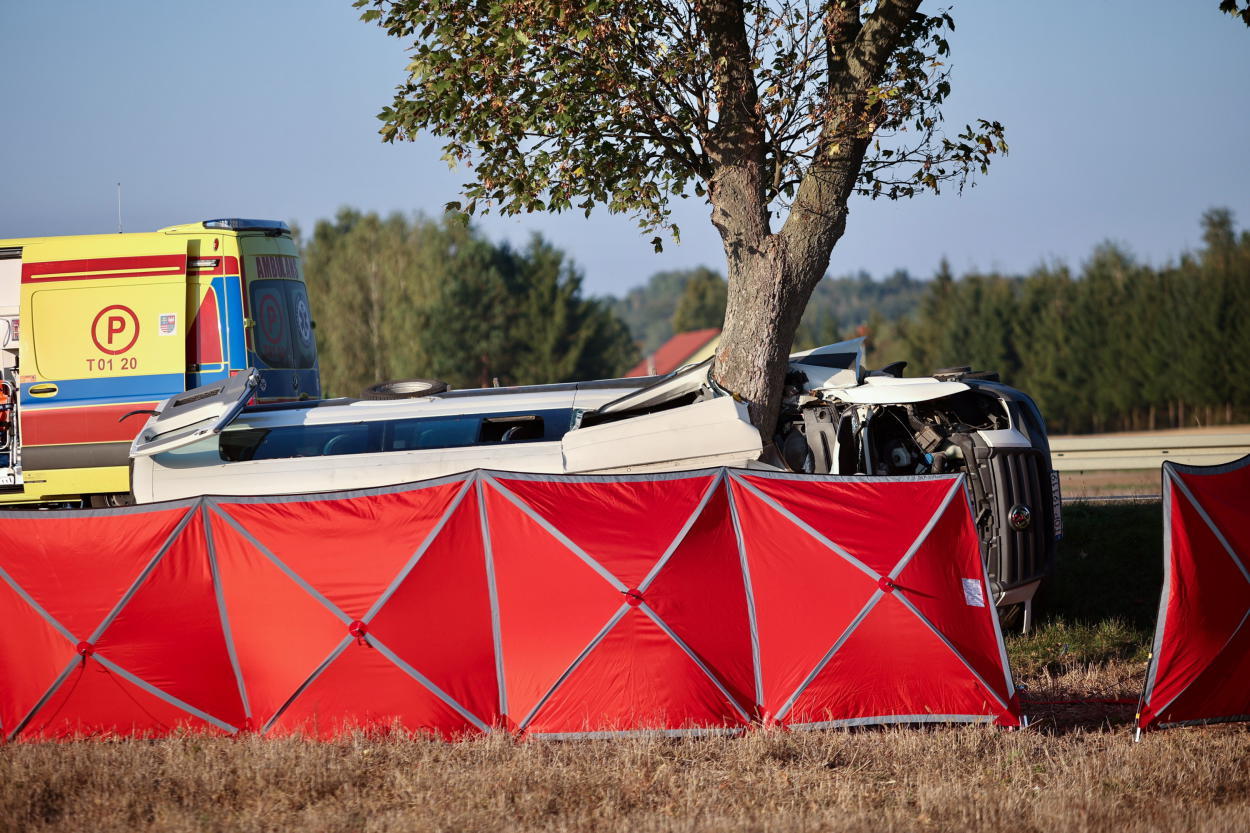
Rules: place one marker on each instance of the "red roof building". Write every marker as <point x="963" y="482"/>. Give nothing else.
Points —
<point x="682" y="349"/>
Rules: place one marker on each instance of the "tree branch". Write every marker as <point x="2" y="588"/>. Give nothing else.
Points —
<point x="878" y="39"/>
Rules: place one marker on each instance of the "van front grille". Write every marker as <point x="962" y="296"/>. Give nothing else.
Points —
<point x="1017" y="485"/>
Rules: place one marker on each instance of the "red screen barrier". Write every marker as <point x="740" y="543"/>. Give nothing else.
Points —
<point x="1200" y="666"/>
<point x="705" y="601"/>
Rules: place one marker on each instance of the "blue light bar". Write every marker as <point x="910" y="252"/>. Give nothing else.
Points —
<point x="236" y="224"/>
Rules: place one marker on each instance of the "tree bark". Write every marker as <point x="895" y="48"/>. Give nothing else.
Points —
<point x="768" y="292"/>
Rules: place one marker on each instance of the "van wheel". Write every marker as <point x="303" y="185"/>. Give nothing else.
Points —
<point x="404" y="389"/>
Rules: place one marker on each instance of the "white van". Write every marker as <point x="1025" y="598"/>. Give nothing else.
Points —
<point x="836" y="418"/>
<point x="207" y="441"/>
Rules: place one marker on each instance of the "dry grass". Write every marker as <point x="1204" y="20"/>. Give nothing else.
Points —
<point x="1074" y="769"/>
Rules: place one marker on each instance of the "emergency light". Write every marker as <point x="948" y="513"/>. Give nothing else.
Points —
<point x="237" y="224"/>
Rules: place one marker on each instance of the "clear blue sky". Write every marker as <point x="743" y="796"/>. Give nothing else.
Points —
<point x="1126" y="119"/>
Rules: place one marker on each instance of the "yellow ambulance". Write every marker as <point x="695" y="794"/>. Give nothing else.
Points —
<point x="95" y="330"/>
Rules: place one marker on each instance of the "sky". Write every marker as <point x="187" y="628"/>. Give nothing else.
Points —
<point x="1126" y="120"/>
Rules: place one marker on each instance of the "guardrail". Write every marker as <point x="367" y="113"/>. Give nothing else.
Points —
<point x="1147" y="451"/>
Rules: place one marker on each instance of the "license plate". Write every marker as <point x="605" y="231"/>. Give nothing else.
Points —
<point x="1056" y="499"/>
<point x="8" y="480"/>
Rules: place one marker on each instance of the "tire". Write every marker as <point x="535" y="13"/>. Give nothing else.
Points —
<point x="404" y="389"/>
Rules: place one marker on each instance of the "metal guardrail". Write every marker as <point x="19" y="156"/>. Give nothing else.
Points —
<point x="1147" y="451"/>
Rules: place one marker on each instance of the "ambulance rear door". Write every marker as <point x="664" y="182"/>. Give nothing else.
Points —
<point x="10" y="297"/>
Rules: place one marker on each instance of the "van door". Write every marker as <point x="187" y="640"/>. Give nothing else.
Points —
<point x="196" y="414"/>
<point x="101" y="336"/>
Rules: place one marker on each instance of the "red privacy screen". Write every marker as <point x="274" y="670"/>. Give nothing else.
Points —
<point x="1200" y="670"/>
<point x="705" y="601"/>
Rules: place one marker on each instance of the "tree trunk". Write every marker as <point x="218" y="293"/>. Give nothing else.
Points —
<point x="768" y="292"/>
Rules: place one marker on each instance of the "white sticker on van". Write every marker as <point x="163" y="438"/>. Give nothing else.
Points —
<point x="974" y="592"/>
<point x="169" y="324"/>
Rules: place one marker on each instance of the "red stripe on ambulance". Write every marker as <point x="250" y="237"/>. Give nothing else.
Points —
<point x="104" y="267"/>
<point x="91" y="424"/>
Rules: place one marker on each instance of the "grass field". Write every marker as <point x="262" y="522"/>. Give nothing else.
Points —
<point x="1074" y="769"/>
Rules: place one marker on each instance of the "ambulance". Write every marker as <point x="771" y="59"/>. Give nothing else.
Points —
<point x="96" y="330"/>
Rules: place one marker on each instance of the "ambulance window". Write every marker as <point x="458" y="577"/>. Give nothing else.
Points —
<point x="303" y="345"/>
<point x="283" y="335"/>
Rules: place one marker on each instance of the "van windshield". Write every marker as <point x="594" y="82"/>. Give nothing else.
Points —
<point x="283" y="335"/>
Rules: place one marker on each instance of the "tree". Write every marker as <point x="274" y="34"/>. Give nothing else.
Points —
<point x="775" y="112"/>
<point x="400" y="298"/>
<point x="702" y="302"/>
<point x="1236" y="9"/>
<point x="558" y="334"/>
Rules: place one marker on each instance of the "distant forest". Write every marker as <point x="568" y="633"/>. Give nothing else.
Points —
<point x="1113" y="345"/>
<point x="402" y="298"/>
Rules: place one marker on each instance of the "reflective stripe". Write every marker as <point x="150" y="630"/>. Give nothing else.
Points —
<point x="895" y="718"/>
<point x="1172" y="477"/>
<point x="616" y="617"/>
<point x="168" y="698"/>
<point x="34" y="605"/>
<point x="416" y="556"/>
<point x="142" y="577"/>
<point x="21" y="724"/>
<point x="317" y="672"/>
<point x="801" y="524"/>
<point x="850" y="629"/>
<point x="902" y="597"/>
<point x="226" y="632"/>
<point x="347" y="494"/>
<point x="281" y="565"/>
<point x="496" y="634"/>
<point x="1152" y="667"/>
<point x="427" y="682"/>
<point x="683" y="532"/>
<point x="557" y="534"/>
<point x="1159" y="710"/>
<point x="924" y="533"/>
<point x="757" y="664"/>
<point x="998" y="626"/>
<point x="655" y="617"/>
<point x="648" y="477"/>
<point x="1206" y="721"/>
<point x="1215" y="530"/>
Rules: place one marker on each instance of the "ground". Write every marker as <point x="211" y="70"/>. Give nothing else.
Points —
<point x="1075" y="768"/>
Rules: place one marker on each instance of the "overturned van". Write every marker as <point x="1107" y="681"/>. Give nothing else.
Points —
<point x="837" y="418"/>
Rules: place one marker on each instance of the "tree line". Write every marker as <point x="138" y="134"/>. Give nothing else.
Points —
<point x="1117" y="345"/>
<point x="410" y="297"/>
<point x="1113" y="345"/>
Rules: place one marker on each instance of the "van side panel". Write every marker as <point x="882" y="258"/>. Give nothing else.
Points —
<point x="102" y="335"/>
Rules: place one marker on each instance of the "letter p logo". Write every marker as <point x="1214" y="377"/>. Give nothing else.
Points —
<point x="115" y="329"/>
